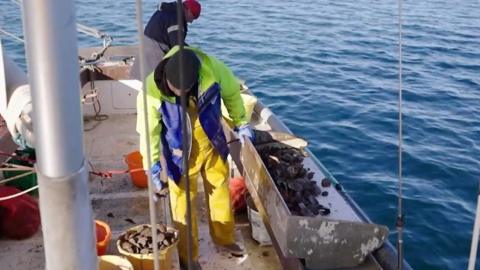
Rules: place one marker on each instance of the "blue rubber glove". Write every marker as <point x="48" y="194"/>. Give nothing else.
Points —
<point x="156" y="171"/>
<point x="245" y="130"/>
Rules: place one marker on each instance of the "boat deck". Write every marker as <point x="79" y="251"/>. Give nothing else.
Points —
<point x="6" y="143"/>
<point x="120" y="204"/>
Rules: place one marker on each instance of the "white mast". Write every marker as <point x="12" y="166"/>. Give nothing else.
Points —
<point x="51" y="46"/>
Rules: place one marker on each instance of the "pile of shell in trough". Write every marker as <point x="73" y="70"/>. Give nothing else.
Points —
<point x="139" y="240"/>
<point x="294" y="182"/>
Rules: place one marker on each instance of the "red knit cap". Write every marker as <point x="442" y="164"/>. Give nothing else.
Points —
<point x="194" y="7"/>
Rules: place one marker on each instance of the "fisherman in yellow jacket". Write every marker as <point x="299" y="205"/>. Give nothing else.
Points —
<point x="207" y="81"/>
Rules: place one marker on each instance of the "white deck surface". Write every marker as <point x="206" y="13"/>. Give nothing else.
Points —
<point x="115" y="200"/>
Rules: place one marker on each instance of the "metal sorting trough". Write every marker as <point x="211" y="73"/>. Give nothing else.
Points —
<point x="324" y="243"/>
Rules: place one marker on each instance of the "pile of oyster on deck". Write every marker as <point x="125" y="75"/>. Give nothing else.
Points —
<point x="138" y="240"/>
<point x="284" y="161"/>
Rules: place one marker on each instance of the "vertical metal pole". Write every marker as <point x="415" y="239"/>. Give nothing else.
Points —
<point x="151" y="193"/>
<point x="51" y="46"/>
<point x="185" y="142"/>
<point x="476" y="231"/>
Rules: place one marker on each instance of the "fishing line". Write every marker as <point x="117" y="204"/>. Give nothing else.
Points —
<point x="12" y="36"/>
<point x="400" y="217"/>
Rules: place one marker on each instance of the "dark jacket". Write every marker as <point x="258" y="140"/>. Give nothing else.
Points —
<point x="162" y="26"/>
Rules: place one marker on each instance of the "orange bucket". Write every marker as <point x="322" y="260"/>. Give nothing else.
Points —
<point x="104" y="234"/>
<point x="137" y="174"/>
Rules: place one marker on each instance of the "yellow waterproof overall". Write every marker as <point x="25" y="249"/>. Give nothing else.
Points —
<point x="205" y="161"/>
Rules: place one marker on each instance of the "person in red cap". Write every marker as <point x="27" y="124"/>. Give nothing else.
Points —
<point x="161" y="33"/>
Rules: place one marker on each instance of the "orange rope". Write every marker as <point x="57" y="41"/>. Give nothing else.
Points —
<point x="110" y="173"/>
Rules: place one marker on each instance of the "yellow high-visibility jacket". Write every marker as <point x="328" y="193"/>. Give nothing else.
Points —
<point x="211" y="71"/>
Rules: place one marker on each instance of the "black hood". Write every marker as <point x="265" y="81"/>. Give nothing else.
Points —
<point x="160" y="78"/>
<point x="169" y="7"/>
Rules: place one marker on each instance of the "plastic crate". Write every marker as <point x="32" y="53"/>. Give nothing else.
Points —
<point x="24" y="182"/>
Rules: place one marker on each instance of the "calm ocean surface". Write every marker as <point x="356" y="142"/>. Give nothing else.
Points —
<point x="329" y="70"/>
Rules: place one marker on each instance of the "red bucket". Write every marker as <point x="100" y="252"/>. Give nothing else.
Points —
<point x="137" y="174"/>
